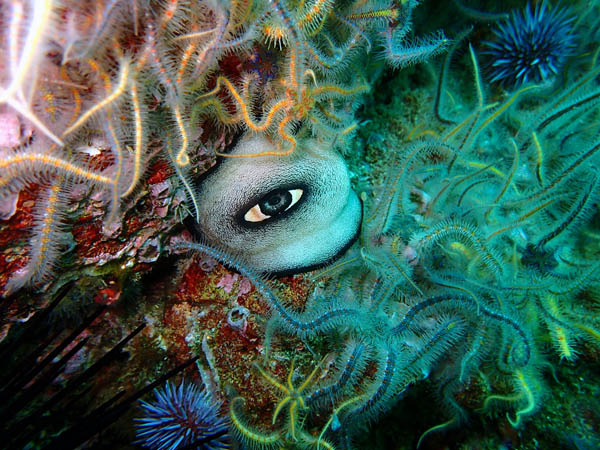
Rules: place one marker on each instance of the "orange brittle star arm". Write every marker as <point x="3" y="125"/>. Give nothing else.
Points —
<point x="284" y="135"/>
<point x="284" y="103"/>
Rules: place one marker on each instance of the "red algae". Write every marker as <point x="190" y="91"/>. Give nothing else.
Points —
<point x="159" y="172"/>
<point x="193" y="284"/>
<point x="87" y="234"/>
<point x="16" y="227"/>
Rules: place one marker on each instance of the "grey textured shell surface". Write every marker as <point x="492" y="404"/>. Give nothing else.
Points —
<point x="323" y="222"/>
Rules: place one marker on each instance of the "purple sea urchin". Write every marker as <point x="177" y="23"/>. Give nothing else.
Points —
<point x="531" y="45"/>
<point x="182" y="417"/>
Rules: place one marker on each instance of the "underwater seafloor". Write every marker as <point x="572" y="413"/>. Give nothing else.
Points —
<point x="464" y="316"/>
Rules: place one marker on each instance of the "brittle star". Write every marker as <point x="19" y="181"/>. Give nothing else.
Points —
<point x="293" y="395"/>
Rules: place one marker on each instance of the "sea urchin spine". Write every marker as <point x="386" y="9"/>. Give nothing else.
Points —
<point x="182" y="417"/>
<point x="531" y="45"/>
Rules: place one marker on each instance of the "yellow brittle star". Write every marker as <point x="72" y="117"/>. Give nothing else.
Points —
<point x="293" y="396"/>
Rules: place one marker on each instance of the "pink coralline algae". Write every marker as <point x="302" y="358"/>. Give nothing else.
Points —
<point x="227" y="282"/>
